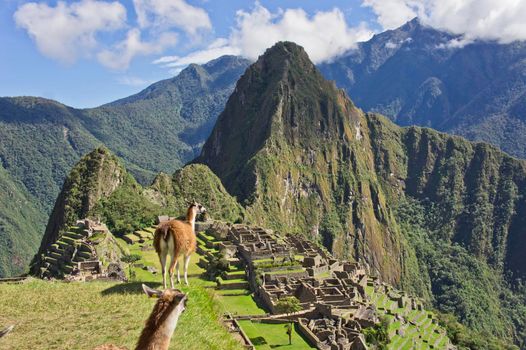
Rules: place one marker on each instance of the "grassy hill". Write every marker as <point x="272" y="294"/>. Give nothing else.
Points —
<point x="81" y="315"/>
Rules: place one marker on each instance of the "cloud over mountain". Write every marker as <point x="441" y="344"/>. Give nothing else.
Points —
<point x="324" y="35"/>
<point x="485" y="19"/>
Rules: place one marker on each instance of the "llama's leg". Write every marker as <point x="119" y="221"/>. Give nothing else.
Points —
<point x="178" y="276"/>
<point x="162" y="258"/>
<point x="186" y="262"/>
<point x="173" y="263"/>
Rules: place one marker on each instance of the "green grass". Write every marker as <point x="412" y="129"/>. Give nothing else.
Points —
<point x="240" y="305"/>
<point x="57" y="315"/>
<point x="233" y="291"/>
<point x="270" y="336"/>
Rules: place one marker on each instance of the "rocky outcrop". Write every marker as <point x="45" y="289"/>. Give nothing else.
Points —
<point x="96" y="176"/>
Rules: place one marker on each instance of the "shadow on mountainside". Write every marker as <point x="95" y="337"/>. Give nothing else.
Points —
<point x="129" y="288"/>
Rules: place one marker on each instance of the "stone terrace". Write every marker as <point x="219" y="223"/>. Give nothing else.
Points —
<point x="340" y="298"/>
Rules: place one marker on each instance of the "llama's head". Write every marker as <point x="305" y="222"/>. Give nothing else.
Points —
<point x="166" y="312"/>
<point x="196" y="208"/>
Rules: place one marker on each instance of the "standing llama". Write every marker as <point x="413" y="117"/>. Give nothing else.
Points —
<point x="175" y="238"/>
<point x="161" y="324"/>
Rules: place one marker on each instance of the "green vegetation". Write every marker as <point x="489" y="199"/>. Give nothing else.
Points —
<point x="377" y="336"/>
<point x="84" y="315"/>
<point x="267" y="336"/>
<point x="18" y="214"/>
<point x="240" y="305"/>
<point x="131" y="259"/>
<point x="127" y="208"/>
<point x="461" y="284"/>
<point x="159" y="129"/>
<point x="197" y="182"/>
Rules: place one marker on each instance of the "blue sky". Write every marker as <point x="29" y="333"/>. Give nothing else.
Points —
<point x="25" y="70"/>
<point x="88" y="52"/>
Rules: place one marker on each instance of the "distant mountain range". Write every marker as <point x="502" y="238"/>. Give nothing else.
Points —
<point x="417" y="75"/>
<point x="158" y="129"/>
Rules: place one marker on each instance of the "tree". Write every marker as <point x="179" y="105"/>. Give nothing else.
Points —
<point x="131" y="259"/>
<point x="288" y="305"/>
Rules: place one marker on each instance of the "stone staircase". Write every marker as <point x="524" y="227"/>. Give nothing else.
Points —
<point x="63" y="255"/>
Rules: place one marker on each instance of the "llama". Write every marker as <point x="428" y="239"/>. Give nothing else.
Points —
<point x="161" y="324"/>
<point x="176" y="237"/>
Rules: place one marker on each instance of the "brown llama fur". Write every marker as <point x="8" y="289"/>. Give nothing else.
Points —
<point x="176" y="238"/>
<point x="161" y="323"/>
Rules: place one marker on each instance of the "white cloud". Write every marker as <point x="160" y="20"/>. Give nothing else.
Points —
<point x="170" y="14"/>
<point x="133" y="81"/>
<point x="324" y="35"/>
<point x="501" y="20"/>
<point x="395" y="45"/>
<point x="68" y="31"/>
<point x="120" y="56"/>
<point x="219" y="47"/>
<point x="393" y="13"/>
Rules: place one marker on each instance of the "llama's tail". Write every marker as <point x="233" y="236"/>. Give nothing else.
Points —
<point x="161" y="233"/>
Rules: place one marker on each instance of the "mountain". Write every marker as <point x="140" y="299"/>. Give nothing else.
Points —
<point x="285" y="145"/>
<point x="100" y="188"/>
<point x="158" y="129"/>
<point x="417" y="75"/>
<point x="165" y="125"/>
<point x="20" y="221"/>
<point x="438" y="215"/>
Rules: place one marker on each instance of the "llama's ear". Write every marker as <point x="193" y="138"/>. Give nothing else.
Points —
<point x="151" y="292"/>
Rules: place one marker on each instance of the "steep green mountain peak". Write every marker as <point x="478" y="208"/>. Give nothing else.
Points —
<point x="293" y="149"/>
<point x="96" y="176"/>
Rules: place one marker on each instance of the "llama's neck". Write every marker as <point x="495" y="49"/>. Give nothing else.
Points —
<point x="190" y="217"/>
<point x="159" y="328"/>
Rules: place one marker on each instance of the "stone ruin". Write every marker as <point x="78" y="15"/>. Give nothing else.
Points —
<point x="331" y="292"/>
<point x="74" y="257"/>
<point x="332" y="333"/>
